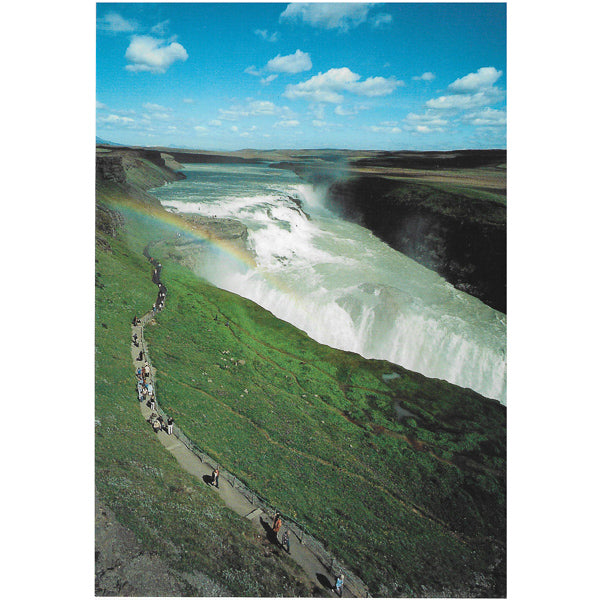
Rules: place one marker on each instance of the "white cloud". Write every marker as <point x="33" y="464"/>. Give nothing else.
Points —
<point x="488" y="117"/>
<point x="115" y="23"/>
<point x="255" y="108"/>
<point x="252" y="70"/>
<point x="475" y="82"/>
<point x="215" y="123"/>
<point x="471" y="91"/>
<point x="289" y="123"/>
<point x="152" y="106"/>
<point x="375" y="86"/>
<point x="234" y="128"/>
<point x="146" y="53"/>
<point x="100" y="105"/>
<point x="262" y="107"/>
<point x="264" y="34"/>
<point x="267" y="80"/>
<point x="384" y="128"/>
<point x="427" y="76"/>
<point x="188" y="100"/>
<point x="115" y="120"/>
<point x="381" y="20"/>
<point x="320" y="123"/>
<point x="430" y="118"/>
<point x="160" y="28"/>
<point x="466" y="101"/>
<point x="344" y="112"/>
<point x="425" y="123"/>
<point x="292" y="63"/>
<point x="200" y="128"/>
<point x="233" y="113"/>
<point x="327" y="87"/>
<point x="319" y="111"/>
<point x="342" y="16"/>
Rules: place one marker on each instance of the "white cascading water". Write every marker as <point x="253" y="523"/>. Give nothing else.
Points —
<point x="339" y="283"/>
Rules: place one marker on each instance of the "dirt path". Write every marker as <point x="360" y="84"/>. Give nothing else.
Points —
<point x="233" y="497"/>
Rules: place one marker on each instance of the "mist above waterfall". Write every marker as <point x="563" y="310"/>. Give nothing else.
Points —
<point x="338" y="282"/>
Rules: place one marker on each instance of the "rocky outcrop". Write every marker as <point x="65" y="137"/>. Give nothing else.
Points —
<point x="142" y="169"/>
<point x="461" y="238"/>
<point x="110" y="168"/>
<point x="108" y="220"/>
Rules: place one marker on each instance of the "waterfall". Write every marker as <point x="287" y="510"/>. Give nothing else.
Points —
<point x="340" y="284"/>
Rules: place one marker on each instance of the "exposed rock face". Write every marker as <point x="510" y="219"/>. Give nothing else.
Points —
<point x="107" y="220"/>
<point x="110" y="168"/>
<point x="463" y="239"/>
<point x="223" y="229"/>
<point x="143" y="169"/>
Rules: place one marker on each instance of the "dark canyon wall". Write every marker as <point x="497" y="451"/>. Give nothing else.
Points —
<point x="461" y="238"/>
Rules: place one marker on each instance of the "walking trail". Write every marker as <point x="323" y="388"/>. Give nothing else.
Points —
<point x="317" y="571"/>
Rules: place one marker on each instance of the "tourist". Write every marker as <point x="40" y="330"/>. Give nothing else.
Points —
<point x="140" y="391"/>
<point x="339" y="585"/>
<point x="156" y="426"/>
<point x="150" y="388"/>
<point x="285" y="541"/>
<point x="215" y="477"/>
<point x="276" y="524"/>
<point x="277" y="516"/>
<point x="152" y="403"/>
<point x="170" y="425"/>
<point x="146" y="370"/>
<point x="135" y="321"/>
<point x="140" y="357"/>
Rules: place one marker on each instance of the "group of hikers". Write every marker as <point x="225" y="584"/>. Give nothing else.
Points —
<point x="162" y="290"/>
<point x="146" y="394"/>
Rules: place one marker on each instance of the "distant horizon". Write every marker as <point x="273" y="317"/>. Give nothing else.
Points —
<point x="400" y="76"/>
<point x="316" y="149"/>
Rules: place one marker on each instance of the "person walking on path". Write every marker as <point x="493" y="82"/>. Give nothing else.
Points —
<point x="285" y="541"/>
<point x="277" y="516"/>
<point x="339" y="585"/>
<point x="215" y="476"/>
<point x="146" y="370"/>
<point x="170" y="425"/>
<point x="276" y="524"/>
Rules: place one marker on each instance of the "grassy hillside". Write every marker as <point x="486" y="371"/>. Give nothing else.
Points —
<point x="415" y="505"/>
<point x="171" y="514"/>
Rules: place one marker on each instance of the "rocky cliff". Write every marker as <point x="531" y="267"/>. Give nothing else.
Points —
<point x="462" y="238"/>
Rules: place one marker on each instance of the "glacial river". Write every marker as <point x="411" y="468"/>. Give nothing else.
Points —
<point x="339" y="283"/>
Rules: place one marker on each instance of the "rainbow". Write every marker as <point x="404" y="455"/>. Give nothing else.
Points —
<point x="179" y="224"/>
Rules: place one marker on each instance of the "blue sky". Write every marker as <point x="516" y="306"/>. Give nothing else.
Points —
<point x="363" y="76"/>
